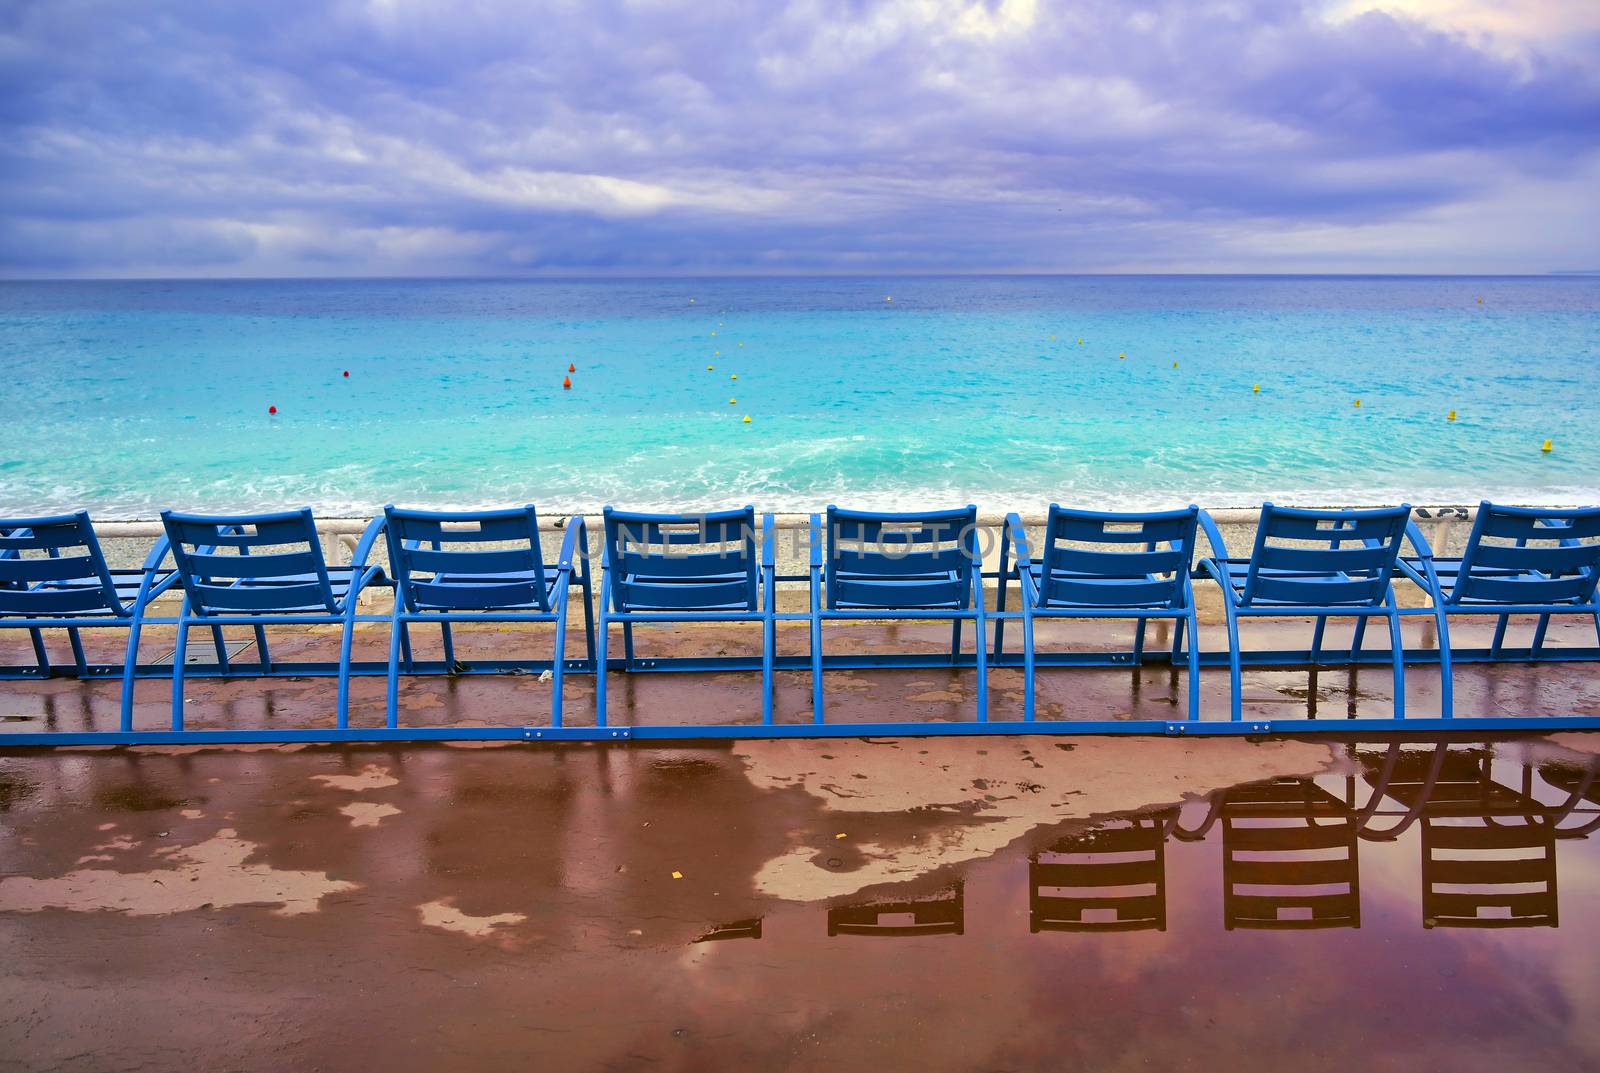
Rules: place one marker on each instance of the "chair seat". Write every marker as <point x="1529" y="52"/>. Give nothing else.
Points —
<point x="636" y="591"/>
<point x="127" y="583"/>
<point x="1110" y="584"/>
<point x="858" y="592"/>
<point x="1238" y="572"/>
<point x="550" y="577"/>
<point x="340" y="579"/>
<point x="1448" y="570"/>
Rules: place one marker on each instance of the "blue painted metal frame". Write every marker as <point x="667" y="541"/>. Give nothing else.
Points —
<point x="435" y="584"/>
<point x="276" y="588"/>
<point x="754" y="601"/>
<point x="73" y="593"/>
<point x="1073" y="582"/>
<point x="1350" y="577"/>
<point x="895" y="565"/>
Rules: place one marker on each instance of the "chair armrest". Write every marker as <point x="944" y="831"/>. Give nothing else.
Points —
<point x="816" y="542"/>
<point x="358" y="559"/>
<point x="1019" y="540"/>
<point x="1418" y="542"/>
<point x="576" y="539"/>
<point x="1208" y="525"/>
<point x="769" y="537"/>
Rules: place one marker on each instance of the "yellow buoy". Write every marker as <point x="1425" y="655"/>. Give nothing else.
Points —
<point x="708" y="368"/>
<point x="1548" y="447"/>
<point x="1255" y="387"/>
<point x="733" y="402"/>
<point x="1480" y="301"/>
<point x="1122" y="357"/>
<point x="747" y="419"/>
<point x="1052" y="338"/>
<point x="716" y="353"/>
<point x="741" y="342"/>
<point x="1174" y="365"/>
<point x="733" y="376"/>
<point x="1358" y="403"/>
<point x="1080" y="342"/>
<point x="713" y="335"/>
<point x="1451" y="416"/>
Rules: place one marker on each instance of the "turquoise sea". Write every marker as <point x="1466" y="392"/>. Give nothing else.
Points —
<point x="126" y="397"/>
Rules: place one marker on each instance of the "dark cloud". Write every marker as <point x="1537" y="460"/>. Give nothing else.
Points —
<point x="495" y="135"/>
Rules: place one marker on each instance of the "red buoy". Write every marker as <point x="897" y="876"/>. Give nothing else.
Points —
<point x="347" y="374"/>
<point x="566" y="382"/>
<point x="571" y="368"/>
<point x="272" y="409"/>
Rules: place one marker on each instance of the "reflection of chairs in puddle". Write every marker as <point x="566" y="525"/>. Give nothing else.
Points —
<point x="1289" y="858"/>
<point x="1488" y="850"/>
<point x="1108" y="879"/>
<point x="942" y="914"/>
<point x="739" y="929"/>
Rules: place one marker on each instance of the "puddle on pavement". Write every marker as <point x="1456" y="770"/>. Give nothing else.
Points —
<point x="1004" y="904"/>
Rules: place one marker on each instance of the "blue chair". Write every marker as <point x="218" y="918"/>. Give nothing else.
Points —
<point x="1101" y="565"/>
<point x="274" y="574"/>
<point x="443" y="574"/>
<point x="924" y="565"/>
<point x="1518" y="561"/>
<point x="70" y="587"/>
<point x="1316" y="563"/>
<point x="673" y="568"/>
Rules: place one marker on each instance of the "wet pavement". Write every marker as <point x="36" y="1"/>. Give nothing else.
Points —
<point x="937" y="904"/>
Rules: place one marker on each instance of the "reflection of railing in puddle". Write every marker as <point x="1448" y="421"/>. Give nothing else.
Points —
<point x="1290" y="853"/>
<point x="739" y="929"/>
<point x="1289" y="858"/>
<point x="941" y="914"/>
<point x="1109" y="879"/>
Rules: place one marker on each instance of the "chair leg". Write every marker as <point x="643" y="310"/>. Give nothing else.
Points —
<point x="1027" y="660"/>
<point x="41" y="654"/>
<point x="1138" y="641"/>
<point x="346" y="639"/>
<point x="769" y="640"/>
<point x="558" y="665"/>
<point x="1499" y="636"/>
<point x="602" y="632"/>
<point x="396" y="631"/>
<point x="1177" y="637"/>
<point x="261" y="649"/>
<point x="1398" y="654"/>
<point x="130" y="667"/>
<point x="1194" y="662"/>
<point x="983" y="671"/>
<point x="627" y="645"/>
<point x="955" y="640"/>
<point x="1539" y="632"/>
<point x="1358" y="636"/>
<point x="222" y="648"/>
<point x="818" y="704"/>
<point x="449" y="648"/>
<point x="1235" y="677"/>
<point x="76" y="642"/>
<point x="180" y="654"/>
<point x="405" y="647"/>
<point x="1447" y="699"/>
<point x="588" y="613"/>
<point x="1316" y="638"/>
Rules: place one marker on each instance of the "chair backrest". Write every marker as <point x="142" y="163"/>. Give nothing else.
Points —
<point x="439" y="562"/>
<point x="54" y="566"/>
<point x="242" y="563"/>
<point x="1518" y="555"/>
<point x="682" y="562"/>
<point x="1322" y="558"/>
<point x="901" y="561"/>
<point x="1101" y="559"/>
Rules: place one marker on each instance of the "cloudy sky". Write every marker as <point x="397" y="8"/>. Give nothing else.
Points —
<point x="413" y="137"/>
